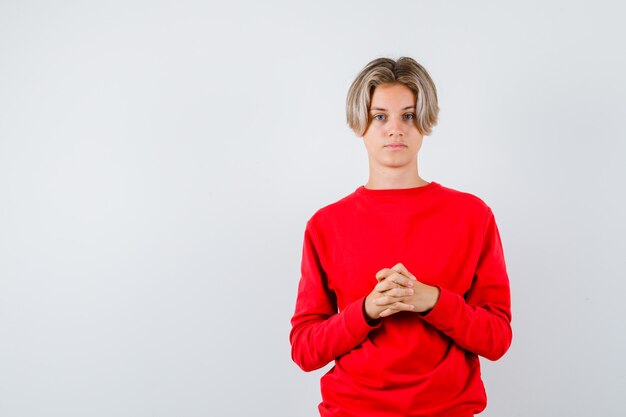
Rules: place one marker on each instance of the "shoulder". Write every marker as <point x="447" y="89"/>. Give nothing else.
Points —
<point x="333" y="209"/>
<point x="465" y="206"/>
<point x="463" y="198"/>
<point x="330" y="212"/>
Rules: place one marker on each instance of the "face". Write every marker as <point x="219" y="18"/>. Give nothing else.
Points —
<point x="392" y="139"/>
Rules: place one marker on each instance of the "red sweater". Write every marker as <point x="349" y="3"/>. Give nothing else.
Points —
<point x="407" y="364"/>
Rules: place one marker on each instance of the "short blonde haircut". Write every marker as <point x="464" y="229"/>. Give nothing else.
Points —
<point x="405" y="71"/>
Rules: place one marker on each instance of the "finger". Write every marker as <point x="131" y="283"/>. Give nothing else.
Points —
<point x="385" y="301"/>
<point x="384" y="273"/>
<point x="399" y="292"/>
<point x="400" y="279"/>
<point x="384" y="285"/>
<point x="388" y="312"/>
<point x="402" y="270"/>
<point x="397" y="307"/>
<point x="388" y="301"/>
<point x="394" y="281"/>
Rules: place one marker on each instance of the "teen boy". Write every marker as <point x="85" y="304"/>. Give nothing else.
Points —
<point x="404" y="281"/>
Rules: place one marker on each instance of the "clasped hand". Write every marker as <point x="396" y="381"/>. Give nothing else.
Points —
<point x="398" y="290"/>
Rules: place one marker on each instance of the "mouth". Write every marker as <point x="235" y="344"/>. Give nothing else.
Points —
<point x="395" y="145"/>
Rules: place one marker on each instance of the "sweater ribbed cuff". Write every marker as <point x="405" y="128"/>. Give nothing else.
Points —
<point x="443" y="314"/>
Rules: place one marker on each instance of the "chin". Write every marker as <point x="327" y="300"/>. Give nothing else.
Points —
<point x="396" y="163"/>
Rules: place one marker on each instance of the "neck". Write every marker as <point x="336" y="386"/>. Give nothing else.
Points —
<point x="392" y="178"/>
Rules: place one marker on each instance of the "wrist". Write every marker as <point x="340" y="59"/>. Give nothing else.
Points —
<point x="434" y="296"/>
<point x="368" y="319"/>
<point x="436" y="293"/>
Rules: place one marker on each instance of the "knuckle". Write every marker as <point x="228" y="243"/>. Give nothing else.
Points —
<point x="401" y="280"/>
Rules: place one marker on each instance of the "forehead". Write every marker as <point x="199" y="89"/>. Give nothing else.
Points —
<point x="392" y="95"/>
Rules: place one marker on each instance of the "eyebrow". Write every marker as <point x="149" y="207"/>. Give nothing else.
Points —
<point x="381" y="109"/>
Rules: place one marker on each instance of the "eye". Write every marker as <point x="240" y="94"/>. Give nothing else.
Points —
<point x="378" y="117"/>
<point x="409" y="116"/>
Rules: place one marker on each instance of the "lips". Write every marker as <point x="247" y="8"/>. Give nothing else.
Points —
<point x="396" y="145"/>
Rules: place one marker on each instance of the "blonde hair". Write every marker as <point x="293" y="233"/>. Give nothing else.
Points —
<point x="405" y="71"/>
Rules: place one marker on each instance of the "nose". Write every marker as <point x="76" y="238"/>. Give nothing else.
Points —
<point x="394" y="128"/>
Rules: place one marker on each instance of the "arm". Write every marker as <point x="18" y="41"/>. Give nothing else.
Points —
<point x="319" y="333"/>
<point x="480" y="322"/>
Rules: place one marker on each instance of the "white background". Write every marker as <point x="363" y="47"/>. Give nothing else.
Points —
<point x="159" y="161"/>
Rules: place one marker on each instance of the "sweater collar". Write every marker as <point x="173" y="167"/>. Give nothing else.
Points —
<point x="397" y="192"/>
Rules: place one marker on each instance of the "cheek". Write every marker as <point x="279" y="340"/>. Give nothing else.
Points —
<point x="369" y="130"/>
<point x="374" y="132"/>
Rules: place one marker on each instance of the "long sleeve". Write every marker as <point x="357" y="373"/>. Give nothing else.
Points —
<point x="480" y="321"/>
<point x="319" y="333"/>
